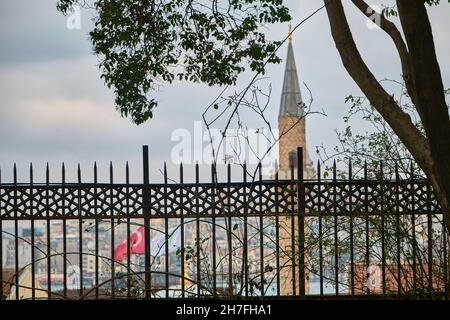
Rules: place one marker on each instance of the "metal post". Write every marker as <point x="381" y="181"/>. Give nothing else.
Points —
<point x="33" y="263"/>
<point x="182" y="255"/>
<point x="197" y="229"/>
<point x="261" y="231"/>
<point x="127" y="181"/>
<point x="301" y="220"/>
<point x="397" y="229"/>
<point x="146" y="212"/>
<point x="245" y="237"/>
<point x="430" y="243"/>
<point x="111" y="201"/>
<point x="413" y="228"/>
<point x="1" y="245"/>
<point x="293" y="213"/>
<point x="336" y="231"/>
<point x="63" y="179"/>
<point x="214" y="253"/>
<point x="80" y="231"/>
<point x="16" y="236"/>
<point x="352" y="253"/>
<point x="319" y="210"/>
<point x="166" y="230"/>
<point x="367" y="224"/>
<point x="383" y="227"/>
<point x="96" y="232"/>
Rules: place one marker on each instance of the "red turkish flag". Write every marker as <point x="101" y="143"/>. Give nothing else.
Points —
<point x="137" y="245"/>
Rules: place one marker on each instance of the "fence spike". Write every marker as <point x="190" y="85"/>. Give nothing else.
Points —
<point x="334" y="170"/>
<point x="212" y="172"/>
<point x="15" y="173"/>
<point x="47" y="173"/>
<point x="350" y="169"/>
<point x="365" y="169"/>
<point x="181" y="172"/>
<point x="197" y="169"/>
<point x="165" y="173"/>
<point x="111" y="172"/>
<point x="95" y="171"/>
<point x="397" y="177"/>
<point x="260" y="171"/>
<point x="318" y="169"/>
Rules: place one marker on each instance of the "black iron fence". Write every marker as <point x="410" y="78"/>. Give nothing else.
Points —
<point x="256" y="238"/>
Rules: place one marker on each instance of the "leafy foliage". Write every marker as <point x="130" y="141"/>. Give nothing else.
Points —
<point x="391" y="11"/>
<point x="143" y="43"/>
<point x="377" y="142"/>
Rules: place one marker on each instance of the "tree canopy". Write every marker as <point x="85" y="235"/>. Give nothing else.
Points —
<point x="142" y="43"/>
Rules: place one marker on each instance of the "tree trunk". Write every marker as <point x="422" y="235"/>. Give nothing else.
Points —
<point x="432" y="152"/>
<point x="429" y="91"/>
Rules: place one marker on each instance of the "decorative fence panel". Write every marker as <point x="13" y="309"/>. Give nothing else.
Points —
<point x="259" y="238"/>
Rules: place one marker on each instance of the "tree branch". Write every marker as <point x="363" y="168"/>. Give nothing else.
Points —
<point x="393" y="32"/>
<point x="384" y="103"/>
<point x="431" y="104"/>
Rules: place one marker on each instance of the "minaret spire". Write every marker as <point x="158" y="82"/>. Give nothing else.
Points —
<point x="292" y="134"/>
<point x="290" y="33"/>
<point x="291" y="98"/>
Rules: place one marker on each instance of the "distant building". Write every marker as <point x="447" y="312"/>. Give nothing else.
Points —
<point x="371" y="278"/>
<point x="25" y="286"/>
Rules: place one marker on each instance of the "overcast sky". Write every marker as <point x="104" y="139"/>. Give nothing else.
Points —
<point x="54" y="106"/>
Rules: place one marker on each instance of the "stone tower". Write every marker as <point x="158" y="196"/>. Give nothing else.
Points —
<point x="292" y="134"/>
<point x="291" y="121"/>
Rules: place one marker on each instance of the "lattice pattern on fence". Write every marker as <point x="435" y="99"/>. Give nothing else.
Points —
<point x="257" y="198"/>
<point x="317" y="228"/>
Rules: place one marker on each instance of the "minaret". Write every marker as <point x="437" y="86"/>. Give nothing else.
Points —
<point x="291" y="121"/>
<point x="292" y="134"/>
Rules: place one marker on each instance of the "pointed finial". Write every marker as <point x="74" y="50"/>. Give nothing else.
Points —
<point x="290" y="33"/>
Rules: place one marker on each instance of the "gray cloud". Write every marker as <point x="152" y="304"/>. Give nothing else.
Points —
<point x="35" y="31"/>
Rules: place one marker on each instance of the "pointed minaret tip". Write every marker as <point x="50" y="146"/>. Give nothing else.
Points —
<point x="290" y="33"/>
<point x="291" y="98"/>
